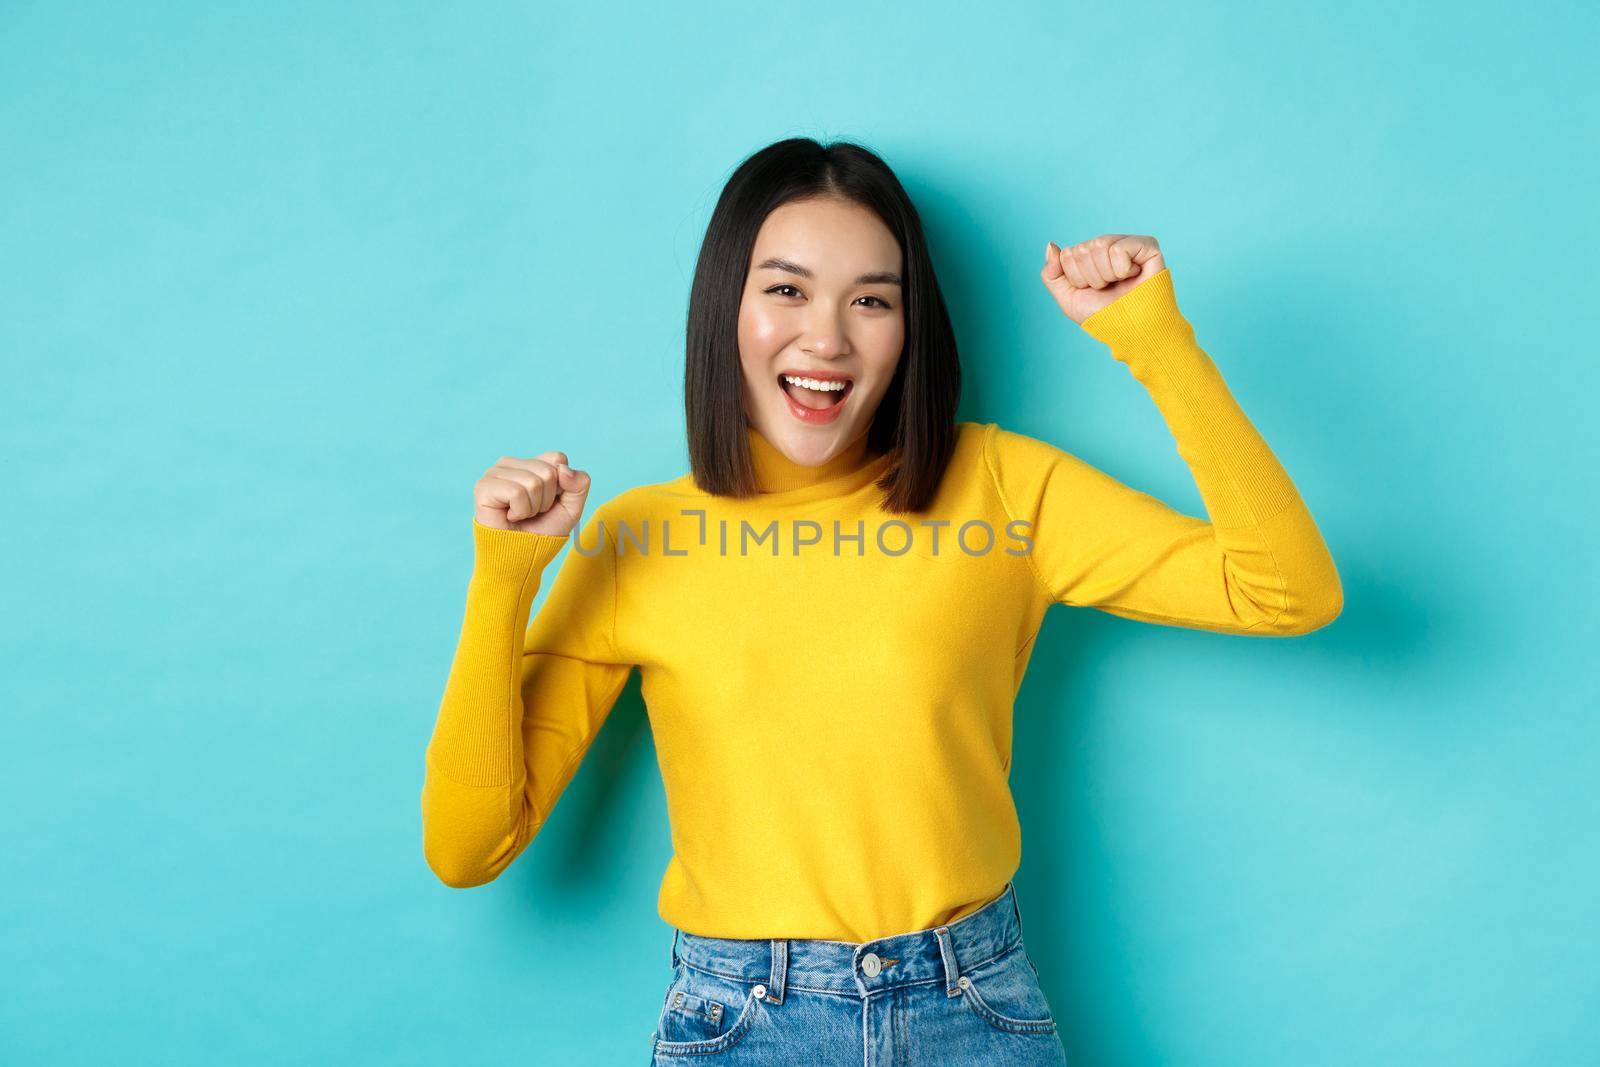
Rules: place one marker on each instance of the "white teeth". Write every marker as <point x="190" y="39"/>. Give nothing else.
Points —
<point x="814" y="383"/>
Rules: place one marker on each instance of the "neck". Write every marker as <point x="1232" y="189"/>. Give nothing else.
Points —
<point x="777" y="473"/>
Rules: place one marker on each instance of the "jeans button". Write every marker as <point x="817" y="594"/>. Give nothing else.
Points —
<point x="871" y="965"/>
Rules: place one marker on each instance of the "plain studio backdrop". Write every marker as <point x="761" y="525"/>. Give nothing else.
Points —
<point x="279" y="284"/>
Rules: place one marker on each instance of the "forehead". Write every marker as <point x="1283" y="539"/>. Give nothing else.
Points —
<point x="831" y="237"/>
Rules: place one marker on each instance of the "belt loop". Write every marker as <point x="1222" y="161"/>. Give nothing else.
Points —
<point x="952" y="969"/>
<point x="675" y="948"/>
<point x="780" y="969"/>
<point x="1015" y="908"/>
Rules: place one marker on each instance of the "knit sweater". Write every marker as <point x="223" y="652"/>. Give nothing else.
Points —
<point x="830" y="690"/>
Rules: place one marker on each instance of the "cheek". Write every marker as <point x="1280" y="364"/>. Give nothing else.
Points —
<point x="882" y="351"/>
<point x="882" y="338"/>
<point x="758" y="347"/>
<point x="760" y="334"/>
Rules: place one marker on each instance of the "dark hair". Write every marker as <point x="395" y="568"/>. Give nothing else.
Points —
<point x="915" y="420"/>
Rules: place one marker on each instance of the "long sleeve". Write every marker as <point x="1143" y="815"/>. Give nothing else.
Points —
<point x="523" y="701"/>
<point x="1259" y="566"/>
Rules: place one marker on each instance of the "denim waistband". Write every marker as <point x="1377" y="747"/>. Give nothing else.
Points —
<point x="937" y="954"/>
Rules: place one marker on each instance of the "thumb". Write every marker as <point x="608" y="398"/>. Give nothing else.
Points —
<point x="1055" y="279"/>
<point x="1052" y="262"/>
<point x="574" y="490"/>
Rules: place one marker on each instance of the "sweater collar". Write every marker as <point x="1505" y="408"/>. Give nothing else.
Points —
<point x="777" y="473"/>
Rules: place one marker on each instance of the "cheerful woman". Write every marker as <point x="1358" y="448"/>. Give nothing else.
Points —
<point x="831" y="613"/>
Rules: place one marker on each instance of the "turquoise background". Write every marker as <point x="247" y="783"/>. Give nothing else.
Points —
<point x="279" y="284"/>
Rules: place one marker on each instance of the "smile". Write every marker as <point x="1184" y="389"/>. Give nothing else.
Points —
<point x="815" y="400"/>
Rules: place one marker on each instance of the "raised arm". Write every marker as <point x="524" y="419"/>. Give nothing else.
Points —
<point x="523" y="701"/>
<point x="1258" y="565"/>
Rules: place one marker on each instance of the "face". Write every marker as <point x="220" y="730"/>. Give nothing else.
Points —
<point x="822" y="302"/>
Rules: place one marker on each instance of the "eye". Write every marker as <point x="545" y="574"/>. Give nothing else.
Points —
<point x="792" y="291"/>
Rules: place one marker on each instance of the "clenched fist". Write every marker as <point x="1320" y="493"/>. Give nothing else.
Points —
<point x="540" y="495"/>
<point x="1088" y="276"/>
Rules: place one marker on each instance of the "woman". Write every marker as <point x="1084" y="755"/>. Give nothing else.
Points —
<point x="831" y="613"/>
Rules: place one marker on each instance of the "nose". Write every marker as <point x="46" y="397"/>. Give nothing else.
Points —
<point x="824" y="335"/>
<point x="825" y="341"/>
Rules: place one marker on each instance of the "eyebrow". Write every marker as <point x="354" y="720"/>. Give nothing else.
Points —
<point x="873" y="277"/>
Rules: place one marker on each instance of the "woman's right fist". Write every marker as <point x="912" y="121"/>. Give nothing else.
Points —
<point x="540" y="495"/>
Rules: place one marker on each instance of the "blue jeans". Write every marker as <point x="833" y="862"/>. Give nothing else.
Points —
<point x="964" y="993"/>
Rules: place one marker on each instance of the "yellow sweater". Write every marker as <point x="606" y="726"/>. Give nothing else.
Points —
<point x="834" y="728"/>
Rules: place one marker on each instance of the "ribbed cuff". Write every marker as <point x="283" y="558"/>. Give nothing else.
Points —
<point x="1144" y="317"/>
<point x="510" y="554"/>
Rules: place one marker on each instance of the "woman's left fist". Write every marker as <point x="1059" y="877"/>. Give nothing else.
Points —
<point x="1088" y="276"/>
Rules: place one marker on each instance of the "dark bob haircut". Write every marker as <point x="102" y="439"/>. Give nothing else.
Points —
<point x="916" y="419"/>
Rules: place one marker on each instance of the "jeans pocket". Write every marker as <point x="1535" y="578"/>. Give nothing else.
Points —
<point x="1005" y="993"/>
<point x="704" y="1013"/>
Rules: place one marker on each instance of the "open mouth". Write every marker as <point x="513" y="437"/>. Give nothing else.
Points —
<point x="815" y="394"/>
